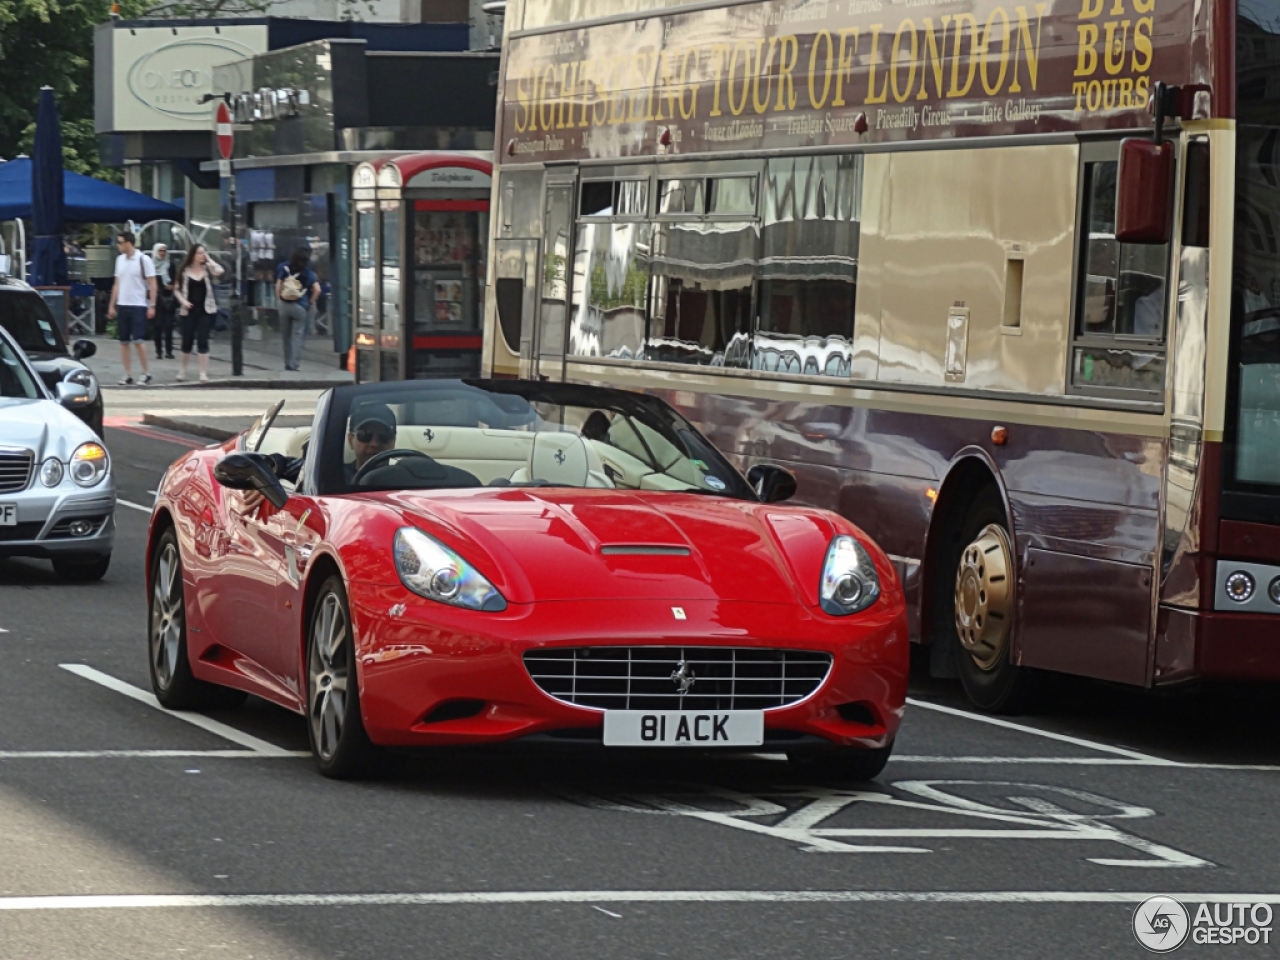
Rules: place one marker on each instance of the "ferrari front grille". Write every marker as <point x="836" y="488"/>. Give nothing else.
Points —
<point x="652" y="678"/>
<point x="15" y="470"/>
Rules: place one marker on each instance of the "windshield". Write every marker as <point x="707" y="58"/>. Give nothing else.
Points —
<point x="488" y="434"/>
<point x="29" y="322"/>
<point x="15" y="379"/>
<point x="1253" y="427"/>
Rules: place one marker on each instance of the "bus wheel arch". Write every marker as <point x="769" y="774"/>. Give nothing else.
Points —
<point x="969" y="586"/>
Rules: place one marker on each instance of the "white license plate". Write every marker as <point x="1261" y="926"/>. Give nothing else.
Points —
<point x="683" y="728"/>
<point x="8" y="514"/>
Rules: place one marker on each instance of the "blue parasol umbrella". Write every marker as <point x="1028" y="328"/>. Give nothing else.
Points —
<point x="48" y="260"/>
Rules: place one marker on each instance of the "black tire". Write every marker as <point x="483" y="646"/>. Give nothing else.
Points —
<point x="1003" y="687"/>
<point x="841" y="764"/>
<point x="82" y="569"/>
<point x="339" y="744"/>
<point x="171" y="679"/>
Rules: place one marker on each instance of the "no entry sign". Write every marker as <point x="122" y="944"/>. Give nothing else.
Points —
<point x="225" y="135"/>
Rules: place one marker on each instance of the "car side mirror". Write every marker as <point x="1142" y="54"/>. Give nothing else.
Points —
<point x="83" y="349"/>
<point x="772" y="484"/>
<point x="251" y="471"/>
<point x="73" y="396"/>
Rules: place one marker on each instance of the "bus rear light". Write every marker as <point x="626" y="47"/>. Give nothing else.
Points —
<point x="1273" y="591"/>
<point x="1240" y="586"/>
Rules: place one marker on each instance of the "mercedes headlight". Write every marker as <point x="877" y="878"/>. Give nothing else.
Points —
<point x="86" y="379"/>
<point x="432" y="570"/>
<point x="51" y="472"/>
<point x="89" y="464"/>
<point x="849" y="581"/>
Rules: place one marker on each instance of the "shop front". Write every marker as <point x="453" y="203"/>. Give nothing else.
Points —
<point x="421" y="229"/>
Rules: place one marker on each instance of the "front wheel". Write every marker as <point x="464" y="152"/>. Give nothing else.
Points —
<point x="983" y="607"/>
<point x="171" y="678"/>
<point x="339" y="744"/>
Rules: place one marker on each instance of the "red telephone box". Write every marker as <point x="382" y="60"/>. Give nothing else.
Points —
<point x="421" y="229"/>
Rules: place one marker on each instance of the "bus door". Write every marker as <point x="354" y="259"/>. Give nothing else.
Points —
<point x="515" y="292"/>
<point x="551" y="329"/>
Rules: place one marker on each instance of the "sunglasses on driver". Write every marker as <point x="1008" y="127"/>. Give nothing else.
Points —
<point x="371" y="435"/>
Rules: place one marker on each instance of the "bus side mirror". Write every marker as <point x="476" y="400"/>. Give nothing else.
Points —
<point x="1144" y="192"/>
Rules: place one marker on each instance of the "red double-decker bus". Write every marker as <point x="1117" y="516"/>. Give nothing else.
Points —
<point x="1000" y="282"/>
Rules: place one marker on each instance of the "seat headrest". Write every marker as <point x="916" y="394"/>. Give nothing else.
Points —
<point x="559" y="458"/>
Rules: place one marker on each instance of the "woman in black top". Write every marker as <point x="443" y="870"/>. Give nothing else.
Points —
<point x="194" y="290"/>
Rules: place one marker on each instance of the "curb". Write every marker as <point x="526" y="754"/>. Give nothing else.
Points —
<point x="189" y="426"/>
<point x="235" y="385"/>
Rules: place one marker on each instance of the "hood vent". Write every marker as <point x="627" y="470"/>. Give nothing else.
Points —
<point x="643" y="550"/>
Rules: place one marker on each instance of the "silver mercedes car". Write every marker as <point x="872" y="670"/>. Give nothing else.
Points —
<point x="57" y="497"/>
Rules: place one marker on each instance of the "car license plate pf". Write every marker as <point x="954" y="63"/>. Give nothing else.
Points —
<point x="683" y="728"/>
<point x="8" y="514"/>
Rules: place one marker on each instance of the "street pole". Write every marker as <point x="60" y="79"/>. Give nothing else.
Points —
<point x="237" y="312"/>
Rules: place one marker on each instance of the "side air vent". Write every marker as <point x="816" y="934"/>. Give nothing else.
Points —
<point x="643" y="550"/>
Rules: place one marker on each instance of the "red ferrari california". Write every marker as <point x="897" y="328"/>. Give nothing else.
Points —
<point x="464" y="562"/>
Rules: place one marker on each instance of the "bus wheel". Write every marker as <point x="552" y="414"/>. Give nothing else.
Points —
<point x="984" y="610"/>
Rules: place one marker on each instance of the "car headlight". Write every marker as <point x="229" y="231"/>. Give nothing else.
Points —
<point x="86" y="379"/>
<point x="849" y="581"/>
<point x="89" y="464"/>
<point x="430" y="569"/>
<point x="51" y="472"/>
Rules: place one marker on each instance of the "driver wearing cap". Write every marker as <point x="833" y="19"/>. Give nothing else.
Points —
<point x="372" y="431"/>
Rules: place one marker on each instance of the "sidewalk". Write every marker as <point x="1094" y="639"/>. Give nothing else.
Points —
<point x="261" y="369"/>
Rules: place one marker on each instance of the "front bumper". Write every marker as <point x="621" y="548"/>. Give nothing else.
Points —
<point x="45" y="514"/>
<point x="415" y="655"/>
<point x="1212" y="645"/>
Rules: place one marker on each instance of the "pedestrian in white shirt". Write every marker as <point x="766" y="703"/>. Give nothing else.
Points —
<point x="133" y="302"/>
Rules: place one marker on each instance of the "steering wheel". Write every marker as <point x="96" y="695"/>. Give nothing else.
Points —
<point x="385" y="455"/>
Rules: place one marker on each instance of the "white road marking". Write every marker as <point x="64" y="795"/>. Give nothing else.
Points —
<point x="142" y="754"/>
<point x="607" y="913"/>
<point x="1022" y="728"/>
<point x="133" y="506"/>
<point x="195" y="719"/>
<point x="497" y="898"/>
<point x="1030" y="811"/>
<point x="1089" y="762"/>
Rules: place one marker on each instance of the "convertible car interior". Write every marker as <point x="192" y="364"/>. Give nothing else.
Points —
<point x="567" y="446"/>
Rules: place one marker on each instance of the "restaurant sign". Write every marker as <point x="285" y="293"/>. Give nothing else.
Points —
<point x="795" y="73"/>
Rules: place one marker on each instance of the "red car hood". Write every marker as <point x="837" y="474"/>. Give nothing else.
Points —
<point x="578" y="544"/>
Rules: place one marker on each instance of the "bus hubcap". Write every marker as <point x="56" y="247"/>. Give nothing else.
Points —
<point x="983" y="597"/>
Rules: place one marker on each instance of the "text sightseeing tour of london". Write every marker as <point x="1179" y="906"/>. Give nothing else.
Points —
<point x="789" y="74"/>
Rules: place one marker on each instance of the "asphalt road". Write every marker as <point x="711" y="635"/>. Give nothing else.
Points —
<point x="150" y="836"/>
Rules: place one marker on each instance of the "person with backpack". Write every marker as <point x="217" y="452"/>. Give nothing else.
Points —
<point x="193" y="287"/>
<point x="297" y="289"/>
<point x="166" y="303"/>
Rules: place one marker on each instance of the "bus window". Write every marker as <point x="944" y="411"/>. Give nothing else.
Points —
<point x="806" y="327"/>
<point x="736" y="195"/>
<point x="809" y="266"/>
<point x="700" y="308"/>
<point x="680" y="197"/>
<point x="610" y="283"/>
<point x="1123" y="297"/>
